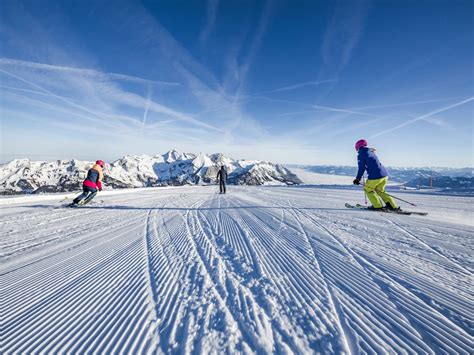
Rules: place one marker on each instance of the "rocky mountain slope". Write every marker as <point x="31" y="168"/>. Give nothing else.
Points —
<point x="171" y="168"/>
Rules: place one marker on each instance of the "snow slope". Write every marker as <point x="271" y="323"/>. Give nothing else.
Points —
<point x="259" y="270"/>
<point x="311" y="178"/>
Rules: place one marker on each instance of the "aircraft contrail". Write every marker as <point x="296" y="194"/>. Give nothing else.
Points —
<point x="432" y="113"/>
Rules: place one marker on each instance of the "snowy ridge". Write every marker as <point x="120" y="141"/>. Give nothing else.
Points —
<point x="171" y="168"/>
<point x="260" y="270"/>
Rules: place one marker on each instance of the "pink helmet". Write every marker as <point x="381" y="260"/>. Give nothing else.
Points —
<point x="360" y="143"/>
<point x="101" y="163"/>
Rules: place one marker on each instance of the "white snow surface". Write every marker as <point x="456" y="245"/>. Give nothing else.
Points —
<point x="310" y="178"/>
<point x="259" y="270"/>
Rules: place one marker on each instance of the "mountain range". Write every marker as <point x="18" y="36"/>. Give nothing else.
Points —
<point x="397" y="174"/>
<point x="172" y="168"/>
<point x="449" y="180"/>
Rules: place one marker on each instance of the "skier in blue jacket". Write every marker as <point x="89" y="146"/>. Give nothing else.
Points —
<point x="377" y="177"/>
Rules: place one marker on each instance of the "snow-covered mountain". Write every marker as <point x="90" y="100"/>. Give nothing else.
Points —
<point x="171" y="168"/>
<point x="457" y="184"/>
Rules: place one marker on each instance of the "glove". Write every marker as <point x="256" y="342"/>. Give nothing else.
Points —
<point x="356" y="182"/>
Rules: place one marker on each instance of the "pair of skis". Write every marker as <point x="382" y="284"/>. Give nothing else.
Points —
<point x="403" y="212"/>
<point x="81" y="203"/>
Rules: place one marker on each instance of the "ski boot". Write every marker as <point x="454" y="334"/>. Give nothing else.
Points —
<point x="390" y="208"/>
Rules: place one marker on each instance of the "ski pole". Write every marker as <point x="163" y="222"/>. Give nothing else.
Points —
<point x="397" y="198"/>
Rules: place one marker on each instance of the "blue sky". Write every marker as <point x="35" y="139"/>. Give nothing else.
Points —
<point x="283" y="81"/>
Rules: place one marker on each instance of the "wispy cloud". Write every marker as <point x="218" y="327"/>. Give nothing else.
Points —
<point x="109" y="92"/>
<point x="211" y="15"/>
<point x="216" y="103"/>
<point x="168" y="90"/>
<point x="255" y="44"/>
<point x="221" y="109"/>
<point x="50" y="93"/>
<point x="342" y="35"/>
<point x="150" y="33"/>
<point x="225" y="110"/>
<point x="437" y="121"/>
<point x="197" y="80"/>
<point x="83" y="72"/>
<point x="104" y="96"/>
<point x="424" y="117"/>
<point x="52" y="108"/>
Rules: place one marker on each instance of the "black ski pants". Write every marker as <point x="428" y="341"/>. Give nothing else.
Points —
<point x="87" y="193"/>
<point x="222" y="186"/>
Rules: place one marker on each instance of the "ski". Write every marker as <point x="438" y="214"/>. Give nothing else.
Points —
<point x="89" y="203"/>
<point x="403" y="212"/>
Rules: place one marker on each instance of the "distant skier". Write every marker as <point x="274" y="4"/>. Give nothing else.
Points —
<point x="222" y="177"/>
<point x="91" y="184"/>
<point x="377" y="177"/>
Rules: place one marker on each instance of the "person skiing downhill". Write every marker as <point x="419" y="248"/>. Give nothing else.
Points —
<point x="222" y="177"/>
<point x="91" y="184"/>
<point x="377" y="177"/>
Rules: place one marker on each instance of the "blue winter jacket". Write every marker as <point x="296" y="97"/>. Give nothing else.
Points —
<point x="367" y="160"/>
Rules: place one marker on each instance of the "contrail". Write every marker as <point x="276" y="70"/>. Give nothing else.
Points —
<point x="23" y="90"/>
<point x="432" y="113"/>
<point x="154" y="106"/>
<point x="147" y="105"/>
<point x="301" y="85"/>
<point x="50" y="93"/>
<point x="83" y="72"/>
<point x="409" y="103"/>
<point x="335" y="109"/>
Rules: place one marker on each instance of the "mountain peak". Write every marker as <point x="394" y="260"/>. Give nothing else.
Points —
<point x="174" y="155"/>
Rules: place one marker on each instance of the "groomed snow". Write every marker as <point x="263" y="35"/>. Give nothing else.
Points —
<point x="259" y="270"/>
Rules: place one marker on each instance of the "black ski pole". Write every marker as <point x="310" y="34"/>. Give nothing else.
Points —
<point x="397" y="198"/>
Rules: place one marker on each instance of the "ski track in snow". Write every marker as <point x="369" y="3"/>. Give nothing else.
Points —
<point x="259" y="270"/>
